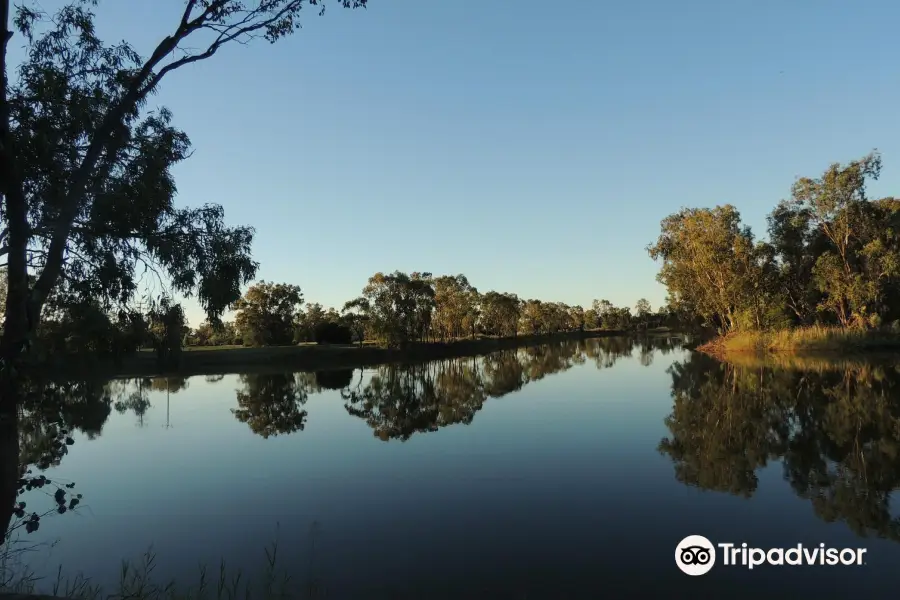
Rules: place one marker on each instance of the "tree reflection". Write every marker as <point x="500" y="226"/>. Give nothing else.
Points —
<point x="835" y="428"/>
<point x="396" y="401"/>
<point x="36" y="438"/>
<point x="134" y="394"/>
<point x="137" y="402"/>
<point x="606" y="352"/>
<point x="399" y="401"/>
<point x="171" y="384"/>
<point x="336" y="379"/>
<point x="502" y="373"/>
<point x="54" y="406"/>
<point x="271" y="404"/>
<point x="10" y="465"/>
<point x="720" y="435"/>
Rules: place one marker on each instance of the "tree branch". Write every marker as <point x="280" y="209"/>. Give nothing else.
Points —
<point x="227" y="33"/>
<point x="187" y="13"/>
<point x="215" y="16"/>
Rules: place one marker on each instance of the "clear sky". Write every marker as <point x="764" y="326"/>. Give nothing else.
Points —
<point x="533" y="146"/>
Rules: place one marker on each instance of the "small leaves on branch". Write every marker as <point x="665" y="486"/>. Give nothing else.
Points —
<point x="86" y="169"/>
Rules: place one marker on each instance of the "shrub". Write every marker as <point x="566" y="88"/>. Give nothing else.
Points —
<point x="329" y="332"/>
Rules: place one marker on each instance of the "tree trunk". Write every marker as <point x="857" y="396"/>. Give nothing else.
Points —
<point x="9" y="464"/>
<point x="17" y="323"/>
<point x="842" y="314"/>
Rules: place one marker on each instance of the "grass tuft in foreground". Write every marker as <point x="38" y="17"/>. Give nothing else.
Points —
<point x="137" y="582"/>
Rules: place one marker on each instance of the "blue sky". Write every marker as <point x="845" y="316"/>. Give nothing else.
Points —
<point x="533" y="146"/>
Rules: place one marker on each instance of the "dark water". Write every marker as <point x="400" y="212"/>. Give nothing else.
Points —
<point x="569" y="470"/>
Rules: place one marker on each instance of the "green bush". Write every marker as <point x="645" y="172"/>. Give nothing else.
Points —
<point x="329" y="332"/>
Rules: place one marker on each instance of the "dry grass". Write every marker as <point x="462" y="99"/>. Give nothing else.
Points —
<point x="808" y="340"/>
<point x="138" y="581"/>
<point x="819" y="363"/>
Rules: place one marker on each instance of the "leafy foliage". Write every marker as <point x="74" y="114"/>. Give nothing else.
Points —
<point x="96" y="169"/>
<point x="500" y="314"/>
<point x="833" y="256"/>
<point x="399" y="309"/>
<point x="456" y="307"/>
<point x="85" y="169"/>
<point x="266" y="313"/>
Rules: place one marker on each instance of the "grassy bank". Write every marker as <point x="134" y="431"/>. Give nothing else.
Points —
<point x="822" y="362"/>
<point x="311" y="357"/>
<point x="804" y="340"/>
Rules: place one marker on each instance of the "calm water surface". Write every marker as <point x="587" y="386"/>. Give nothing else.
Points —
<point x="568" y="470"/>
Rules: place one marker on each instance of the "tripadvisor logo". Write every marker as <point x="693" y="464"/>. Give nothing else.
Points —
<point x="696" y="555"/>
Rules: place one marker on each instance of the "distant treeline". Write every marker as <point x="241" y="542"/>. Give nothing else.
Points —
<point x="399" y="308"/>
<point x="393" y="310"/>
<point x="832" y="258"/>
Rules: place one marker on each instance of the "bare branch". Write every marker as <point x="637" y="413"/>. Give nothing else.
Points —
<point x="227" y="33"/>
<point x="187" y="12"/>
<point x="83" y="258"/>
<point x="149" y="266"/>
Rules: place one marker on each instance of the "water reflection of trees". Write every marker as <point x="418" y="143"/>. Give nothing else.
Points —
<point x="272" y="404"/>
<point x="836" y="429"/>
<point x="39" y="435"/>
<point x="134" y="394"/>
<point x="52" y="406"/>
<point x="85" y="406"/>
<point x="336" y="379"/>
<point x="399" y="401"/>
<point x="396" y="401"/>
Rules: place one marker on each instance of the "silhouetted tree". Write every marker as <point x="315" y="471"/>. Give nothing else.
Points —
<point x="167" y="327"/>
<point x="332" y="332"/>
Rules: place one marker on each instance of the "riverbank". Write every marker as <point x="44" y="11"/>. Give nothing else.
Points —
<point x="311" y="357"/>
<point x="806" y="340"/>
<point x="818" y="363"/>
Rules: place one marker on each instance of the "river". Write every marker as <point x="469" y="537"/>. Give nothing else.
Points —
<point x="567" y="470"/>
